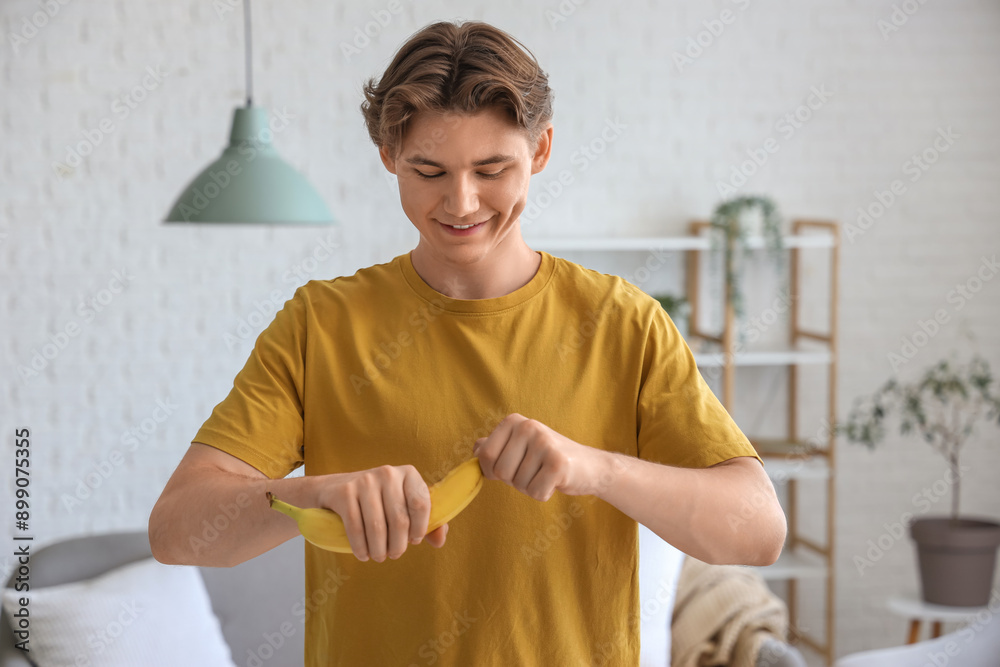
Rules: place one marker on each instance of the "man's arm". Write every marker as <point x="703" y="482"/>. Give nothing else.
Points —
<point x="214" y="510"/>
<point x="725" y="514"/>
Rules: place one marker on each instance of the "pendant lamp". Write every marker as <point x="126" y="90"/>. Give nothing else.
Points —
<point x="250" y="183"/>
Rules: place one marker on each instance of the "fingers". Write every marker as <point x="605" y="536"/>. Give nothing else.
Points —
<point x="384" y="510"/>
<point x="530" y="466"/>
<point x="510" y="459"/>
<point x="355" y="528"/>
<point x="373" y="514"/>
<point x="525" y="454"/>
<point x="437" y="536"/>
<point x="418" y="505"/>
<point x="396" y="514"/>
<point x="392" y="510"/>
<point x="543" y="482"/>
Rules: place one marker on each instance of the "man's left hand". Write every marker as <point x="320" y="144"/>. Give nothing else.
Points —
<point x="537" y="460"/>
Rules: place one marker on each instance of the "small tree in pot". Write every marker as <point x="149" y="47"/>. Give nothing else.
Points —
<point x="956" y="555"/>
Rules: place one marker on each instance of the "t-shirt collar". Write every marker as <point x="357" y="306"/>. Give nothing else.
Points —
<point x="522" y="294"/>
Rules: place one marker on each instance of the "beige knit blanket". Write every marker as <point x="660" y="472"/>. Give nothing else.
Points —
<point x="722" y="615"/>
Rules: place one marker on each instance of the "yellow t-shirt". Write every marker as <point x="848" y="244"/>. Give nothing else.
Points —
<point x="379" y="368"/>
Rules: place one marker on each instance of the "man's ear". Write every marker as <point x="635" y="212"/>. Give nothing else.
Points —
<point x="387" y="159"/>
<point x="543" y="150"/>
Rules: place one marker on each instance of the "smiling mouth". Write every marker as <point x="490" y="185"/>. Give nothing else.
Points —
<point x="461" y="227"/>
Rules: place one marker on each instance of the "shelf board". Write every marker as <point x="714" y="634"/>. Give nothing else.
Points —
<point x="795" y="566"/>
<point x="785" y="460"/>
<point x="645" y="243"/>
<point x="913" y="606"/>
<point x="621" y="243"/>
<point x="803" y="468"/>
<point x="777" y="357"/>
<point x="784" y="448"/>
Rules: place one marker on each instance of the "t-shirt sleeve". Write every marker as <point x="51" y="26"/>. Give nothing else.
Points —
<point x="680" y="422"/>
<point x="261" y="420"/>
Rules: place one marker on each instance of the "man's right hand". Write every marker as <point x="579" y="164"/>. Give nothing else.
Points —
<point x="384" y="510"/>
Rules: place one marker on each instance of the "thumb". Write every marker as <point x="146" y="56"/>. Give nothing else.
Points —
<point x="437" y="536"/>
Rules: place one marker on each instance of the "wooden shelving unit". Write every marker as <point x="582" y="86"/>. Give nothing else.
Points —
<point x="791" y="459"/>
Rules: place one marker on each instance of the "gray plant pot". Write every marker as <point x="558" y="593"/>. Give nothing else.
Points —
<point x="957" y="559"/>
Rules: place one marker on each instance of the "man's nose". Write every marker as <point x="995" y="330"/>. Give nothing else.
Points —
<point x="461" y="198"/>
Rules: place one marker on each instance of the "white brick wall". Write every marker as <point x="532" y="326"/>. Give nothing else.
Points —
<point x="163" y="337"/>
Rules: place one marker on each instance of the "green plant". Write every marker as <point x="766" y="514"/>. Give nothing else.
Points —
<point x="734" y="232"/>
<point x="944" y="406"/>
<point x="676" y="306"/>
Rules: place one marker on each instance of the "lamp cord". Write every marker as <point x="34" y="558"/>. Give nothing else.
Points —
<point x="249" y="50"/>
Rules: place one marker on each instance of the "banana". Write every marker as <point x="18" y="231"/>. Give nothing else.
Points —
<point x="325" y="529"/>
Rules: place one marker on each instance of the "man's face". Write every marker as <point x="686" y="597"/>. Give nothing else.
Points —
<point x="457" y="170"/>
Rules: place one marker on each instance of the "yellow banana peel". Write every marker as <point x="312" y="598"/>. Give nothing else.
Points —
<point x="325" y="529"/>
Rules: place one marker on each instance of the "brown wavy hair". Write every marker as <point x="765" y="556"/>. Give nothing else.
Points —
<point x="462" y="67"/>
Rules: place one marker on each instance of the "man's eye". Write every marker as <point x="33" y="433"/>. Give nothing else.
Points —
<point x="488" y="175"/>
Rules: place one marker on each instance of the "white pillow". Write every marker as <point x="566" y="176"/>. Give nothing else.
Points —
<point x="144" y="613"/>
<point x="659" y="569"/>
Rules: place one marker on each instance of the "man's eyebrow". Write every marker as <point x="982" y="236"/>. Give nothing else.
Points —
<point x="493" y="159"/>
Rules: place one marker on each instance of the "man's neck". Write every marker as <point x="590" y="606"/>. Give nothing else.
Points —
<point x="507" y="267"/>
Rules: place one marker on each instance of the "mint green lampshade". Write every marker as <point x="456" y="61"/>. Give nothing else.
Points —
<point x="249" y="183"/>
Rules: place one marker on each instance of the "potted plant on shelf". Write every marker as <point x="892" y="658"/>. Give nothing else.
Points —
<point x="956" y="554"/>
<point x="677" y="308"/>
<point x="736" y="221"/>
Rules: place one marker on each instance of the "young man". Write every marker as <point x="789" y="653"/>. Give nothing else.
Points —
<point x="574" y="389"/>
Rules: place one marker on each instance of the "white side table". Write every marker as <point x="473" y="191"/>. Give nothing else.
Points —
<point x="911" y="606"/>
